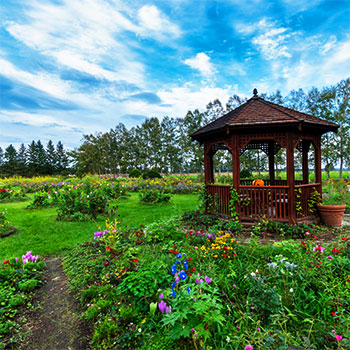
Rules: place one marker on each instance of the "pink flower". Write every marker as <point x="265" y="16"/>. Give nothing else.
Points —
<point x="248" y="347"/>
<point x="338" y="337"/>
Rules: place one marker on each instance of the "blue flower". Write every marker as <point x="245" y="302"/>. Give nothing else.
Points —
<point x="186" y="266"/>
<point x="173" y="285"/>
<point x="173" y="269"/>
<point x="178" y="255"/>
<point x="178" y="262"/>
<point x="172" y="293"/>
<point x="185" y="262"/>
<point x="183" y="275"/>
<point x="189" y="290"/>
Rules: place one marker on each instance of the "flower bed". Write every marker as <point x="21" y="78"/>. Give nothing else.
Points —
<point x="196" y="290"/>
<point x="18" y="280"/>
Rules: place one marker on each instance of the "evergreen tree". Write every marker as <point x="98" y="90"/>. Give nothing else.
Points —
<point x="40" y="155"/>
<point x="62" y="158"/>
<point x="22" y="160"/>
<point x="51" y="158"/>
<point x="10" y="166"/>
<point x="32" y="165"/>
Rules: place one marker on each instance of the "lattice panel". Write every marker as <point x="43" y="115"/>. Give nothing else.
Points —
<point x="264" y="146"/>
<point x="281" y="139"/>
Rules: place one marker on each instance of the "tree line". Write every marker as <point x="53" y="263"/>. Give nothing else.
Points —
<point x="166" y="146"/>
<point x="35" y="159"/>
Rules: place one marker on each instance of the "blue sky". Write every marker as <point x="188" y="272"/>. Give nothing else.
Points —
<point x="72" y="67"/>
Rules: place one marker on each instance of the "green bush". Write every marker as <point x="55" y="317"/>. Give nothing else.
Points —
<point x="245" y="174"/>
<point x="151" y="196"/>
<point x="134" y="173"/>
<point x="151" y="174"/>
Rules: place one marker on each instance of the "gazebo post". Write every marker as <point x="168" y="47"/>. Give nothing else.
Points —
<point x="208" y="165"/>
<point x="318" y="165"/>
<point x="305" y="161"/>
<point x="290" y="179"/>
<point x="235" y="162"/>
<point x="271" y="163"/>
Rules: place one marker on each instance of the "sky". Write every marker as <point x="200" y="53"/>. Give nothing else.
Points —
<point x="75" y="67"/>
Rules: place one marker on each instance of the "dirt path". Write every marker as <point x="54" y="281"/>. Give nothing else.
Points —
<point x="57" y="325"/>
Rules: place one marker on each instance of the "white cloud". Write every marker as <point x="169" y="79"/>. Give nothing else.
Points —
<point x="202" y="63"/>
<point x="269" y="38"/>
<point x="156" y="24"/>
<point x="330" y="44"/>
<point x="88" y="37"/>
<point x="37" y="120"/>
<point x="318" y="71"/>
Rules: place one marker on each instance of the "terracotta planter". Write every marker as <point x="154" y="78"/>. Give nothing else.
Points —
<point x="331" y="215"/>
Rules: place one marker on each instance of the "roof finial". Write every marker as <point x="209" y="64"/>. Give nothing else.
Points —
<point x="255" y="92"/>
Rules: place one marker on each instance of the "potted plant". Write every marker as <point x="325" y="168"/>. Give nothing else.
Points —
<point x="332" y="205"/>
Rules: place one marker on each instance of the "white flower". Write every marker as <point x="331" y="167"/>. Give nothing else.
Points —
<point x="253" y="274"/>
<point x="228" y="339"/>
<point x="273" y="265"/>
<point x="140" y="330"/>
<point x="291" y="290"/>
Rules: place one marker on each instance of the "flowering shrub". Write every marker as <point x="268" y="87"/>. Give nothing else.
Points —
<point x="18" y="280"/>
<point x="5" y="226"/>
<point x="154" y="196"/>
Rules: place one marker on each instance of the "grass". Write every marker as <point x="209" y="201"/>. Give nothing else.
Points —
<point x="40" y="232"/>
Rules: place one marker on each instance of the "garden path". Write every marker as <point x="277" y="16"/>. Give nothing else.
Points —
<point x="57" y="325"/>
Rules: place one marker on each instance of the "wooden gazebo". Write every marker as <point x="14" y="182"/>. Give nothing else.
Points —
<point x="259" y="124"/>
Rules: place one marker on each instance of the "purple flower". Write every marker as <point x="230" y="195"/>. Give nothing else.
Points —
<point x="199" y="281"/>
<point x="162" y="306"/>
<point x="330" y="257"/>
<point x="161" y="295"/>
<point x="97" y="235"/>
<point x="248" y="347"/>
<point x="177" y="278"/>
<point x="168" y="309"/>
<point x="207" y="279"/>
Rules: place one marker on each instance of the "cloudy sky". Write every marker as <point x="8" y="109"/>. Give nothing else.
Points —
<point x="71" y="67"/>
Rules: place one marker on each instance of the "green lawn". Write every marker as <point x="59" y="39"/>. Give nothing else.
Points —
<point x="40" y="232"/>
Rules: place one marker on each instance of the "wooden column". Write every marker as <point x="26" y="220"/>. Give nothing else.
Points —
<point x="290" y="179"/>
<point x="305" y="161"/>
<point x="318" y="164"/>
<point x="235" y="161"/>
<point x="271" y="162"/>
<point x="208" y="165"/>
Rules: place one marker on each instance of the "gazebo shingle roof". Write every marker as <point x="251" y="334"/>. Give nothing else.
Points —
<point x="256" y="111"/>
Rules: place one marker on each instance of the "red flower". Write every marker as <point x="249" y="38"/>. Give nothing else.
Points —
<point x="224" y="255"/>
<point x="235" y="254"/>
<point x="189" y="274"/>
<point x="6" y="262"/>
<point x="108" y="248"/>
<point x="190" y="259"/>
<point x="335" y="251"/>
<point x="193" y="269"/>
<point x="173" y="251"/>
<point x="186" y="235"/>
<point x="136" y="261"/>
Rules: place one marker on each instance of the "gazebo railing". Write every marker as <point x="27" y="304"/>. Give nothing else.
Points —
<point x="267" y="182"/>
<point x="269" y="202"/>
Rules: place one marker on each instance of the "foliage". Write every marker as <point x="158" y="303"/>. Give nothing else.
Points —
<point x="335" y="193"/>
<point x="152" y="196"/>
<point x="135" y="173"/>
<point x="18" y="280"/>
<point x="270" y="227"/>
<point x="151" y="174"/>
<point x="245" y="174"/>
<point x="5" y="226"/>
